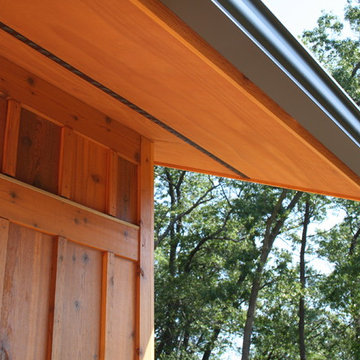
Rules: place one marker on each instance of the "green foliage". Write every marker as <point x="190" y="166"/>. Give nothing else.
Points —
<point x="341" y="56"/>
<point x="209" y="233"/>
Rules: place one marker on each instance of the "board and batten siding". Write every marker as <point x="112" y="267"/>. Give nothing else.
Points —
<point x="76" y="222"/>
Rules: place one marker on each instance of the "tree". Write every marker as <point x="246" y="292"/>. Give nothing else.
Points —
<point x="307" y="216"/>
<point x="341" y="290"/>
<point x="197" y="279"/>
<point x="274" y="225"/>
<point x="213" y="239"/>
<point x="341" y="56"/>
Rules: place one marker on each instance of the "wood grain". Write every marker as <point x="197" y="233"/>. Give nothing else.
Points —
<point x="24" y="313"/>
<point x="52" y="214"/>
<point x="38" y="152"/>
<point x="50" y="102"/>
<point x="107" y="274"/>
<point x="145" y="316"/>
<point x="112" y="183"/>
<point x="78" y="332"/>
<point x="89" y="173"/>
<point x="118" y="302"/>
<point x="121" y="344"/>
<point x="127" y="191"/>
<point x="11" y="137"/>
<point x="66" y="162"/>
<point x="4" y="238"/>
<point x="2" y="127"/>
<point x="56" y="299"/>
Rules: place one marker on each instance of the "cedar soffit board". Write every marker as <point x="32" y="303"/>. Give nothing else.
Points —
<point x="142" y="51"/>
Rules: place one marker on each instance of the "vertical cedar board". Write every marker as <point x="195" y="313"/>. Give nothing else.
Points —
<point x="2" y="127"/>
<point x="89" y="175"/>
<point x="120" y="311"/>
<point x="78" y="334"/>
<point x="145" y="317"/>
<point x="112" y="183"/>
<point x="66" y="161"/>
<point x="127" y="190"/>
<point x="106" y="282"/>
<point x="11" y="137"/>
<point x="38" y="152"/>
<point x="56" y="299"/>
<point x="24" y="313"/>
<point x="4" y="235"/>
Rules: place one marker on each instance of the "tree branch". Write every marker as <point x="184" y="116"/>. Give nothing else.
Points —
<point x="173" y="221"/>
<point x="204" y="240"/>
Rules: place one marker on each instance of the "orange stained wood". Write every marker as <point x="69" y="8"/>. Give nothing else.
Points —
<point x="3" y="105"/>
<point x="119" y="303"/>
<point x="127" y="191"/>
<point x="145" y="316"/>
<point x="112" y="179"/>
<point x="26" y="283"/>
<point x="140" y="50"/>
<point x="84" y="296"/>
<point x="10" y="144"/>
<point x="52" y="214"/>
<point x="56" y="299"/>
<point x="88" y="173"/>
<point x="79" y="327"/>
<point x="4" y="235"/>
<point x="38" y="152"/>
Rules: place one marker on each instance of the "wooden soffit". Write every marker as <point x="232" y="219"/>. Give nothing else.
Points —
<point x="138" y="63"/>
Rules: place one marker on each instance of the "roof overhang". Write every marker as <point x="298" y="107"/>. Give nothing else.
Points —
<point x="233" y="95"/>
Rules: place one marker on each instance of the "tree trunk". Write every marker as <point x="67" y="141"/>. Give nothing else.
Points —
<point x="273" y="228"/>
<point x="211" y="344"/>
<point x="250" y="318"/>
<point x="302" y="346"/>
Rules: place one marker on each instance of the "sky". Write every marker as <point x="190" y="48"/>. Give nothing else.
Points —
<point x="302" y="15"/>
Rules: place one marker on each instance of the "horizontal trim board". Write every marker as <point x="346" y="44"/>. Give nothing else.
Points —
<point x="26" y="205"/>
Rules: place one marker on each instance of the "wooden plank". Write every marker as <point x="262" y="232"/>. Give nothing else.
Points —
<point x="4" y="236"/>
<point x="78" y="332"/>
<point x="52" y="214"/>
<point x="51" y="102"/>
<point x="112" y="183"/>
<point x="38" y="152"/>
<point x="127" y="191"/>
<point x="89" y="173"/>
<point x="11" y="137"/>
<point x="121" y="310"/>
<point x="145" y="316"/>
<point x="107" y="283"/>
<point x="57" y="299"/>
<point x="25" y="308"/>
<point x="66" y="163"/>
<point x="118" y="308"/>
<point x="3" y="107"/>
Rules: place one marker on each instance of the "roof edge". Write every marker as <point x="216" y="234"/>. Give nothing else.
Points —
<point x="268" y="33"/>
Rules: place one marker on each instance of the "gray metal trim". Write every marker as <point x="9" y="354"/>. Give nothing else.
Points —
<point x="260" y="47"/>
<point x="254" y="18"/>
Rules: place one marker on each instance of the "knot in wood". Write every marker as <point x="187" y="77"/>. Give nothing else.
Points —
<point x="3" y="354"/>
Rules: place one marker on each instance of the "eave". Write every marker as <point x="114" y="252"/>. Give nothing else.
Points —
<point x="216" y="100"/>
